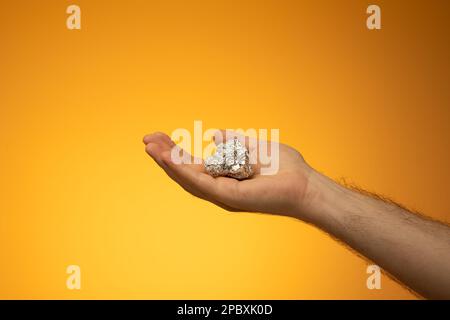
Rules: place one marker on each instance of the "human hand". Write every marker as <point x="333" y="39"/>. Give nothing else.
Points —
<point x="284" y="192"/>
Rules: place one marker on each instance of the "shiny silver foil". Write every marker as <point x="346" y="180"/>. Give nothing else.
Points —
<point x="231" y="159"/>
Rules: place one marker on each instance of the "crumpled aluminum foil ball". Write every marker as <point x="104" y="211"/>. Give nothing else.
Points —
<point x="231" y="159"/>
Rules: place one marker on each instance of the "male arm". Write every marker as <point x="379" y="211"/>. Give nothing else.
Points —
<point x="413" y="249"/>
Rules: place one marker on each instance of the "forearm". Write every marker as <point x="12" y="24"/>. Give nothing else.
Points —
<point x="413" y="249"/>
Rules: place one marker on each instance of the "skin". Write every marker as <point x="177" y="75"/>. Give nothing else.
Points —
<point x="413" y="249"/>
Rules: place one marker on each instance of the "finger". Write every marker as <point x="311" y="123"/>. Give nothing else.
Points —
<point x="159" y="137"/>
<point x="192" y="177"/>
<point x="156" y="150"/>
<point x="219" y="189"/>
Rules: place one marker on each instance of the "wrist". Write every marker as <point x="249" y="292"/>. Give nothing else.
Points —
<point x="320" y="201"/>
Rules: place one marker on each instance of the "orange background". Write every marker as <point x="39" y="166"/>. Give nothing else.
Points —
<point x="77" y="188"/>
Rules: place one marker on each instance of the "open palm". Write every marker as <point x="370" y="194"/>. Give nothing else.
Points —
<point x="281" y="192"/>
